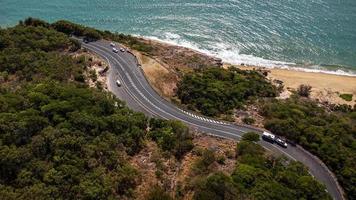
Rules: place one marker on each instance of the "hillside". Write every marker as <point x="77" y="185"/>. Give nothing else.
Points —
<point x="61" y="138"/>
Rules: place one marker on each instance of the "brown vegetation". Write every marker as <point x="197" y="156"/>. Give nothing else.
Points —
<point x="158" y="168"/>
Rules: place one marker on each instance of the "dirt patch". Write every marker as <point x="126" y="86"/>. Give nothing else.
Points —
<point x="251" y="111"/>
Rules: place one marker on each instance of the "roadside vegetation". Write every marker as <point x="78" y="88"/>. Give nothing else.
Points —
<point x="216" y="91"/>
<point x="328" y="135"/>
<point x="60" y="139"/>
<point x="346" y="97"/>
<point x="256" y="176"/>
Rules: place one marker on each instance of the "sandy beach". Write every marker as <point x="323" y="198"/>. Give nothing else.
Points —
<point x="325" y="87"/>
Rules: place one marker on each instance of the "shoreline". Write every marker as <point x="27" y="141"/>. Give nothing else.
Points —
<point x="283" y="65"/>
<point x="326" y="87"/>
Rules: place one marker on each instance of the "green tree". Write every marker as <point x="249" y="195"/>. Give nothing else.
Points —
<point x="251" y="136"/>
<point x="217" y="186"/>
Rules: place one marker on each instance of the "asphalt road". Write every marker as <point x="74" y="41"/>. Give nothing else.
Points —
<point x="139" y="96"/>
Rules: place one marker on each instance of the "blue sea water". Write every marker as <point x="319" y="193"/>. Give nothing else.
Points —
<point x="313" y="35"/>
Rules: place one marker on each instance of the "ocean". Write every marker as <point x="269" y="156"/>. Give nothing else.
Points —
<point x="309" y="35"/>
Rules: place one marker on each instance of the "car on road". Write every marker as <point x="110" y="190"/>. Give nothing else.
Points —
<point x="112" y="44"/>
<point x="118" y="83"/>
<point x="122" y="49"/>
<point x="115" y="50"/>
<point x="269" y="137"/>
<point x="85" y="40"/>
<point x="281" y="142"/>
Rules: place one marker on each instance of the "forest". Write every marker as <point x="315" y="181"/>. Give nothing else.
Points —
<point x="258" y="176"/>
<point x="60" y="139"/>
<point x="216" y="91"/>
<point x="328" y="134"/>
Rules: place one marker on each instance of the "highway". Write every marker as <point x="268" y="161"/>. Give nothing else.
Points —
<point x="140" y="96"/>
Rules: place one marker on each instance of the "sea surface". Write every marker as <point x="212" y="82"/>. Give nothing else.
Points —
<point x="310" y="35"/>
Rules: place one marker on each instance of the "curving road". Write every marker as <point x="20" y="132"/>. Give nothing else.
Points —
<point x="140" y="96"/>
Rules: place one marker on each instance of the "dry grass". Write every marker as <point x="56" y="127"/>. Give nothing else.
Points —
<point x="177" y="174"/>
<point x="161" y="78"/>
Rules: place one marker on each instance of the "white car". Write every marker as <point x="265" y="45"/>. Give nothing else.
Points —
<point x="115" y="50"/>
<point x="118" y="83"/>
<point x="122" y="49"/>
<point x="112" y="44"/>
<point x="281" y="142"/>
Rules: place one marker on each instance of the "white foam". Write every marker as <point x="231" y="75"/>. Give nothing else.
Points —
<point x="231" y="55"/>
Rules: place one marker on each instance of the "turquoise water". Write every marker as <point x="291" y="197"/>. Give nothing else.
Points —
<point x="312" y="34"/>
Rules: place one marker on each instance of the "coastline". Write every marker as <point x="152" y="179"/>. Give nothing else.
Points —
<point x="326" y="87"/>
<point x="249" y="60"/>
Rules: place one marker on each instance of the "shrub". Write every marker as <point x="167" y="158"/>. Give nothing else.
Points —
<point x="93" y="75"/>
<point x="157" y="193"/>
<point x="216" y="91"/>
<point x="202" y="165"/>
<point x="251" y="136"/>
<point x="171" y="136"/>
<point x="216" y="186"/>
<point x="248" y="120"/>
<point x="327" y="134"/>
<point x="346" y="97"/>
<point x="221" y="159"/>
<point x="304" y="90"/>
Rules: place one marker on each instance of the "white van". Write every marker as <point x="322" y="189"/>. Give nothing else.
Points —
<point x="268" y="137"/>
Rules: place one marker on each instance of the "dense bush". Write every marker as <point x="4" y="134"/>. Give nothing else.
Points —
<point x="58" y="138"/>
<point x="171" y="136"/>
<point x="251" y="136"/>
<point x="262" y="177"/>
<point x="91" y="34"/>
<point x="216" y="91"/>
<point x="66" y="142"/>
<point x="70" y="28"/>
<point x="217" y="186"/>
<point x="31" y="53"/>
<point x="258" y="176"/>
<point x="329" y="135"/>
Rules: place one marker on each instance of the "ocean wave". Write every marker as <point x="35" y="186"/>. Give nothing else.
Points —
<point x="231" y="55"/>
